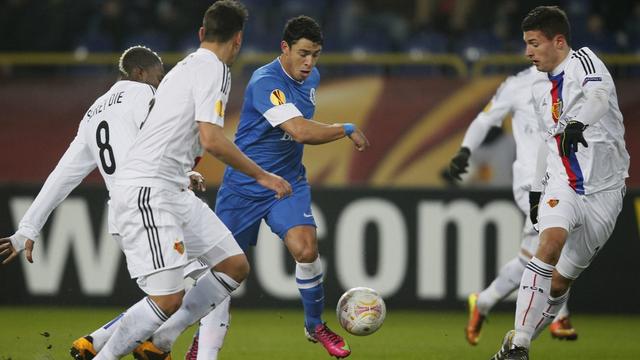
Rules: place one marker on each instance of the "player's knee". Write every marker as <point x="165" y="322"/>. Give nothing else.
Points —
<point x="169" y="304"/>
<point x="551" y="242"/>
<point x="243" y="269"/>
<point x="306" y="255"/>
<point x="236" y="267"/>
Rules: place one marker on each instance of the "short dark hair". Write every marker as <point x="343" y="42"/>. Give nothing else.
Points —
<point x="302" y="27"/>
<point x="137" y="56"/>
<point x="223" y="20"/>
<point x="550" y="20"/>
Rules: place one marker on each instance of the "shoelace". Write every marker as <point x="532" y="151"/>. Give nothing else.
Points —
<point x="326" y="333"/>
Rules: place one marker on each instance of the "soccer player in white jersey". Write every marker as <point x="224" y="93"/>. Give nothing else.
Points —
<point x="514" y="98"/>
<point x="162" y="225"/>
<point x="104" y="137"/>
<point x="584" y="185"/>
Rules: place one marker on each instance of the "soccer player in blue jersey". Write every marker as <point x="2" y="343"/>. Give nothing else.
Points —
<point x="274" y="125"/>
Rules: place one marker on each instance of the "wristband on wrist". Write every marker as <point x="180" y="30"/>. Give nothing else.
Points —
<point x="349" y="128"/>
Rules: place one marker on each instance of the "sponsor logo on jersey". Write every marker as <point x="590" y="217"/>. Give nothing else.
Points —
<point x="277" y="97"/>
<point x="312" y="95"/>
<point x="219" y="108"/>
<point x="553" y="202"/>
<point x="591" y="78"/>
<point x="178" y="246"/>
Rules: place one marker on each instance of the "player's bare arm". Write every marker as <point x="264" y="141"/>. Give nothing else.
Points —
<point x="216" y="143"/>
<point x="312" y="132"/>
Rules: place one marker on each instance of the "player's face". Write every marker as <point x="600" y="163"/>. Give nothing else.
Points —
<point x="300" y="59"/>
<point x="544" y="53"/>
<point x="153" y="75"/>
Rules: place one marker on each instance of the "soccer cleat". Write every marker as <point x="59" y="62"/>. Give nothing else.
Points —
<point x="332" y="342"/>
<point x="518" y="353"/>
<point x="508" y="351"/>
<point x="192" y="353"/>
<point x="563" y="330"/>
<point x="476" y="319"/>
<point x="82" y="349"/>
<point x="148" y="351"/>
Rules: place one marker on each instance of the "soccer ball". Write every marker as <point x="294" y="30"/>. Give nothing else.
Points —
<point x="361" y="311"/>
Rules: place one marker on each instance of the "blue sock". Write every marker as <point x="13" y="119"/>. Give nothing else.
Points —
<point x="309" y="281"/>
<point x="313" y="302"/>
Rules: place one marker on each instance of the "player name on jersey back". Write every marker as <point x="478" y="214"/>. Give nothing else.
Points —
<point x="115" y="98"/>
<point x="111" y="125"/>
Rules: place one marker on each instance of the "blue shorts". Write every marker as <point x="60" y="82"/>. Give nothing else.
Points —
<point x="242" y="215"/>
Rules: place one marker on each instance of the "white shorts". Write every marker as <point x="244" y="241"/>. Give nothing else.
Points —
<point x="164" y="229"/>
<point x="589" y="219"/>
<point x="530" y="237"/>
<point x="171" y="281"/>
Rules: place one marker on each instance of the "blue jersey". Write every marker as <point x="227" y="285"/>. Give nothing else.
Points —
<point x="271" y="98"/>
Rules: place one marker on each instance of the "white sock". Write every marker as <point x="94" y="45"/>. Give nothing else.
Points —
<point x="206" y="294"/>
<point x="213" y="329"/>
<point x="102" y="334"/>
<point x="136" y="326"/>
<point x="532" y="300"/>
<point x="551" y="311"/>
<point x="507" y="280"/>
<point x="563" y="312"/>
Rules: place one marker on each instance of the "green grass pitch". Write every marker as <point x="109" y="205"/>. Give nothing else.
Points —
<point x="38" y="333"/>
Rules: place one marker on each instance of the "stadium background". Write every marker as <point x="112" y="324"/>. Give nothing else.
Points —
<point x="412" y="74"/>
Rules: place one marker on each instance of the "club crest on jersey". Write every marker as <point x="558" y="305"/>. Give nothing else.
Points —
<point x="178" y="246"/>
<point x="219" y="108"/>
<point x="277" y="97"/>
<point x="312" y="95"/>
<point x="556" y="109"/>
<point x="553" y="202"/>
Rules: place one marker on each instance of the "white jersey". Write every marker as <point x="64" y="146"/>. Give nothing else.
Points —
<point x="195" y="90"/>
<point x="604" y="164"/>
<point x="513" y="97"/>
<point x="104" y="137"/>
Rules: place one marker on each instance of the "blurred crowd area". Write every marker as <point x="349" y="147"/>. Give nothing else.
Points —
<point x="470" y="28"/>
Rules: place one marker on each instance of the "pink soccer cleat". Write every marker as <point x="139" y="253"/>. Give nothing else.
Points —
<point x="192" y="353"/>
<point x="332" y="342"/>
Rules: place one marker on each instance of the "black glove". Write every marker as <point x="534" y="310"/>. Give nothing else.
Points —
<point x="534" y="200"/>
<point x="459" y="163"/>
<point x="571" y="136"/>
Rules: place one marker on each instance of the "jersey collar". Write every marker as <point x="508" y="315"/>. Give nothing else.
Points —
<point x="287" y="74"/>
<point x="207" y="52"/>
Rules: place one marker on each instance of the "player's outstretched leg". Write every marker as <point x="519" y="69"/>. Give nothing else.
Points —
<point x="82" y="349"/>
<point x="309" y="281"/>
<point x="86" y="347"/>
<point x="211" y="289"/>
